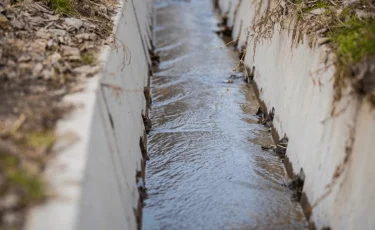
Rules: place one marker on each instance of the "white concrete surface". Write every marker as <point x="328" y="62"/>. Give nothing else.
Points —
<point x="294" y="79"/>
<point x="92" y="176"/>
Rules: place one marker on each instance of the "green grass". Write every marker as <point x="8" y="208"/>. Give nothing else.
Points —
<point x="88" y="58"/>
<point x="355" y="39"/>
<point x="61" y="6"/>
<point x="29" y="186"/>
<point x="40" y="139"/>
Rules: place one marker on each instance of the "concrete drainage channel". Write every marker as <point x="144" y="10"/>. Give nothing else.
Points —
<point x="97" y="175"/>
<point x="98" y="180"/>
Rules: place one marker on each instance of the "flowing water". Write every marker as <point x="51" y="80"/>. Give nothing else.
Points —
<point x="207" y="169"/>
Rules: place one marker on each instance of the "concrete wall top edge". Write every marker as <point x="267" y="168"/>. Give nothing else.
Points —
<point x="70" y="173"/>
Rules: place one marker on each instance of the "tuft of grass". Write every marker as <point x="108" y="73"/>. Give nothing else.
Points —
<point x="355" y="39"/>
<point x="61" y="6"/>
<point x="40" y="139"/>
<point x="31" y="188"/>
<point x="88" y="58"/>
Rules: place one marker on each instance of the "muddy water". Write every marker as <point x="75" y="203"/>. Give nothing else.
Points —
<point x="207" y="169"/>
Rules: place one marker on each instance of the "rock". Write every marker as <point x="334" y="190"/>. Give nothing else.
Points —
<point x="318" y="11"/>
<point x="3" y="18"/>
<point x="46" y="34"/>
<point x="74" y="58"/>
<point x="17" y="24"/>
<point x="280" y="150"/>
<point x="37" y="69"/>
<point x="322" y="41"/>
<point x="38" y="46"/>
<point x="9" y="201"/>
<point x="43" y="33"/>
<point x="7" y="147"/>
<point x="73" y="22"/>
<point x="86" y="36"/>
<point x="364" y="14"/>
<point x="24" y="58"/>
<point x="50" y="43"/>
<point x="284" y="141"/>
<point x="267" y="147"/>
<point x="351" y="2"/>
<point x="103" y="9"/>
<point x="4" y="23"/>
<point x="58" y="32"/>
<point x="321" y="31"/>
<point x="52" y="17"/>
<point x="89" y="27"/>
<point x="55" y="58"/>
<point x="36" y="21"/>
<point x="87" y="70"/>
<point x="70" y="51"/>
<point x="260" y="112"/>
<point x="11" y="219"/>
<point x="48" y="73"/>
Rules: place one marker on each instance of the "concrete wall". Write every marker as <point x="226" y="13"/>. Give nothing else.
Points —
<point x="336" y="152"/>
<point x="92" y="175"/>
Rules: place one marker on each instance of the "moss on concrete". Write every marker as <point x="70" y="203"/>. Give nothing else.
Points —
<point x="354" y="39"/>
<point x="348" y="29"/>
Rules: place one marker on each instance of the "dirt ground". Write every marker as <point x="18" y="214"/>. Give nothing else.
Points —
<point x="45" y="54"/>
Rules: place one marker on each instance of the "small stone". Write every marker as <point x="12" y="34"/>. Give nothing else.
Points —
<point x="16" y="24"/>
<point x="46" y="34"/>
<point x="58" y="32"/>
<point x="322" y="31"/>
<point x="52" y="17"/>
<point x="24" y="58"/>
<point x="61" y="40"/>
<point x="43" y="33"/>
<point x="351" y="2"/>
<point x="3" y="18"/>
<point x="9" y="201"/>
<point x="267" y="147"/>
<point x="86" y="36"/>
<point x="38" y="46"/>
<point x="37" y="69"/>
<point x="322" y="41"/>
<point x="4" y="24"/>
<point x="70" y="51"/>
<point x="90" y="27"/>
<point x="318" y="11"/>
<point x="74" y="22"/>
<point x="11" y="219"/>
<point x="87" y="70"/>
<point x="280" y="150"/>
<point x="48" y="73"/>
<point x="36" y="21"/>
<point x="74" y="58"/>
<point x="50" y="43"/>
<point x="55" y="58"/>
<point x="364" y="14"/>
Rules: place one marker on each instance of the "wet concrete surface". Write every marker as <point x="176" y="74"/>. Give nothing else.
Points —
<point x="207" y="169"/>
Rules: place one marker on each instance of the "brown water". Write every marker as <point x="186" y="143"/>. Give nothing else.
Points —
<point x="207" y="169"/>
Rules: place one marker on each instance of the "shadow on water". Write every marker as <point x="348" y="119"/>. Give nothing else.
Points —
<point x="207" y="169"/>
